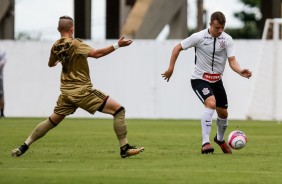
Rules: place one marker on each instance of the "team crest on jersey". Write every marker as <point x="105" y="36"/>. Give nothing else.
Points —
<point x="206" y="91"/>
<point x="222" y="43"/>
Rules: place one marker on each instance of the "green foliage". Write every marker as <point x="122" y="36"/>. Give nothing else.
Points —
<point x="86" y="151"/>
<point x="252" y="3"/>
<point x="249" y="31"/>
<point x="251" y="21"/>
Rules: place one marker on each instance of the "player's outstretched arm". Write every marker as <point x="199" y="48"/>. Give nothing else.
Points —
<point x="236" y="68"/>
<point x="174" y="55"/>
<point x="97" y="53"/>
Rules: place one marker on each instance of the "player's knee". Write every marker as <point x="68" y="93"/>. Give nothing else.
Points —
<point x="120" y="111"/>
<point x="52" y="122"/>
<point x="211" y="104"/>
<point x="223" y="114"/>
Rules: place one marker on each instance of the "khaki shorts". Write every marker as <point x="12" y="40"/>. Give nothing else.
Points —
<point x="91" y="102"/>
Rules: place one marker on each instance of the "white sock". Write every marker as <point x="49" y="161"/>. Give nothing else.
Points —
<point x="206" y="123"/>
<point x="221" y="128"/>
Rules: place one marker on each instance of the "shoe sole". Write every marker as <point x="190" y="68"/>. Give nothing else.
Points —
<point x="207" y="151"/>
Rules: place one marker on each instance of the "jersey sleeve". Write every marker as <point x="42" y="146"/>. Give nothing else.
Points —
<point x="83" y="49"/>
<point x="230" y="49"/>
<point x="53" y="57"/>
<point x="191" y="41"/>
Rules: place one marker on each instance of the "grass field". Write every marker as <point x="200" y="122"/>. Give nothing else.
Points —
<point x="82" y="151"/>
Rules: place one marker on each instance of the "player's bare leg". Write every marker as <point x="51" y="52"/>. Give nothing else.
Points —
<point x="40" y="130"/>
<point x="2" y="107"/>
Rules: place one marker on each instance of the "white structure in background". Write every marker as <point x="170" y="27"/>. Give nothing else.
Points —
<point x="266" y="97"/>
<point x="131" y="75"/>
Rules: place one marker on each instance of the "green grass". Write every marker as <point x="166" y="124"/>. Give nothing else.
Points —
<point x="82" y="151"/>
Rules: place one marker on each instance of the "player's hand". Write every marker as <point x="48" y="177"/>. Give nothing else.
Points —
<point x="167" y="74"/>
<point x="246" y="73"/>
<point x="124" y="42"/>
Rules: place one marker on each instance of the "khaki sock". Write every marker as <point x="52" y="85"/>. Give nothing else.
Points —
<point x="120" y="127"/>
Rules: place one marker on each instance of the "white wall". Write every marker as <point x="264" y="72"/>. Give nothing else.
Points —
<point x="131" y="75"/>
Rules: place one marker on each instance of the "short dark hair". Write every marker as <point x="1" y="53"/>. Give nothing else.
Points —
<point x="65" y="23"/>
<point x="219" y="16"/>
<point x="66" y="17"/>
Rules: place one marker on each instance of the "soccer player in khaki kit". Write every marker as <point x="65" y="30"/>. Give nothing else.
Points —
<point x="77" y="90"/>
<point x="213" y="47"/>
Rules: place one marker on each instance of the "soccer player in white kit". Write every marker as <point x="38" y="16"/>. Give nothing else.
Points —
<point x="213" y="47"/>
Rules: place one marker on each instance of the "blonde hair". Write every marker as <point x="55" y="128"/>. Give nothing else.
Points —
<point x="65" y="24"/>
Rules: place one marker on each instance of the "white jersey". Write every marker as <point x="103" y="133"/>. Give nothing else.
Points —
<point x="211" y="54"/>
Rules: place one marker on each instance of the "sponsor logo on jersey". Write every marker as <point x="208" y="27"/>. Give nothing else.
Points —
<point x="208" y="37"/>
<point x="211" y="77"/>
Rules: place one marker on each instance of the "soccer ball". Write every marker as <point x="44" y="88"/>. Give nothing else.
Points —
<point x="237" y="139"/>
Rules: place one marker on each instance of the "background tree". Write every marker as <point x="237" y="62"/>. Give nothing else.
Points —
<point x="250" y="16"/>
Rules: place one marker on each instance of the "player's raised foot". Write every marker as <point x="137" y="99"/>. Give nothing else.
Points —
<point x="19" y="151"/>
<point x="223" y="145"/>
<point x="127" y="151"/>
<point x="207" y="148"/>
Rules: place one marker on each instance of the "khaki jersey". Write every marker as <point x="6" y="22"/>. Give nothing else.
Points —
<point x="72" y="54"/>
